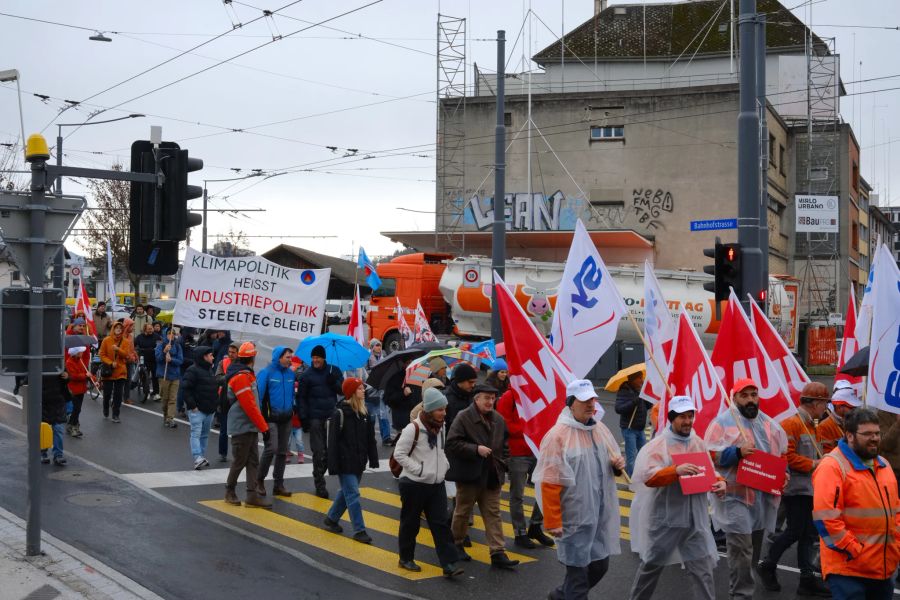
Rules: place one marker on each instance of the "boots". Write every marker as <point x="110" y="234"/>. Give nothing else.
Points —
<point x="261" y="488"/>
<point x="502" y="561"/>
<point x="767" y="576"/>
<point x="523" y="541"/>
<point x="536" y="533"/>
<point x="810" y="585"/>
<point x="280" y="490"/>
<point x="254" y="500"/>
<point x="231" y="497"/>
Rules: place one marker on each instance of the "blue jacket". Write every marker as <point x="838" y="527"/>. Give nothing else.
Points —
<point x="318" y="391"/>
<point x="173" y="371"/>
<point x="278" y="383"/>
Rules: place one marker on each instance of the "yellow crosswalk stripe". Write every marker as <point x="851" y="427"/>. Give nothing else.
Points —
<point x="341" y="545"/>
<point x="382" y="524"/>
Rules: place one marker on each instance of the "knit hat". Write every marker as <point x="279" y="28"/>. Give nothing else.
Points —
<point x="350" y="385"/>
<point x="296" y="360"/>
<point x="319" y="351"/>
<point x="433" y="399"/>
<point x="78" y="321"/>
<point x="436" y="364"/>
<point x="374" y="342"/>
<point x="500" y="365"/>
<point x="464" y="372"/>
<point x="432" y="382"/>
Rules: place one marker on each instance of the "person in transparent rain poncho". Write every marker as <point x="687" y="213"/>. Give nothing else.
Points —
<point x="744" y="514"/>
<point x="575" y="483"/>
<point x="667" y="526"/>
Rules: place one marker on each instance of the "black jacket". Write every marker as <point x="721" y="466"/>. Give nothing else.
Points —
<point x="200" y="388"/>
<point x="318" y="391"/>
<point x="351" y="442"/>
<point x="145" y="344"/>
<point x="457" y="401"/>
<point x="469" y="431"/>
<point x="628" y="402"/>
<point x="393" y="394"/>
<point x="53" y="400"/>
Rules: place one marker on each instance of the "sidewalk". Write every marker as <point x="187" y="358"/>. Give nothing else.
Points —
<point x="62" y="573"/>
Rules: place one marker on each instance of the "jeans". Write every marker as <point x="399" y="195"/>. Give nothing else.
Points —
<point x="223" y="433"/>
<point x="77" y="401"/>
<point x="634" y="441"/>
<point x="799" y="529"/>
<point x="431" y="498"/>
<point x="58" y="430"/>
<point x="379" y="411"/>
<point x="277" y="447"/>
<point x="580" y="580"/>
<point x="200" y="424"/>
<point x="347" y="499"/>
<point x="519" y="468"/>
<point x="114" y="388"/>
<point x="318" y="440"/>
<point x="845" y="587"/>
<point x="296" y="440"/>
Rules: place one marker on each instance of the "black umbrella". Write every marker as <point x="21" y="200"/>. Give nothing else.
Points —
<point x="858" y="364"/>
<point x="390" y="365"/>
<point x="73" y="341"/>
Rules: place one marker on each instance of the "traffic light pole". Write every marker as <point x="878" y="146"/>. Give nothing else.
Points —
<point x="764" y="157"/>
<point x="498" y="258"/>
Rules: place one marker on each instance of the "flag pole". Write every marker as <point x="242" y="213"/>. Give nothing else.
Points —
<point x="644" y="341"/>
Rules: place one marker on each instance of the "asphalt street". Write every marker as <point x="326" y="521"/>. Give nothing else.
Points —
<point x="129" y="497"/>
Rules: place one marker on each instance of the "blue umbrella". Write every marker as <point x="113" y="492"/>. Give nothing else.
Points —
<point x="342" y="351"/>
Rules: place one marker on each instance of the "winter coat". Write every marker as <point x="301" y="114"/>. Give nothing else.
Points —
<point x="243" y="399"/>
<point x="220" y="348"/>
<point x="276" y="389"/>
<point x="631" y="408"/>
<point x="396" y="399"/>
<point x="200" y="389"/>
<point x="119" y="358"/>
<point x="470" y="430"/>
<point x="144" y="343"/>
<point x="53" y="400"/>
<point x="317" y="394"/>
<point x="140" y="321"/>
<point x="457" y="401"/>
<point x="77" y="368"/>
<point x="422" y="464"/>
<point x="172" y="372"/>
<point x="506" y="406"/>
<point x="351" y="442"/>
<point x="103" y="323"/>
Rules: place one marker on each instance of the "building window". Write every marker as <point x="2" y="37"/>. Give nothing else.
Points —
<point x="507" y="119"/>
<point x="854" y="235"/>
<point x="771" y="149"/>
<point x="607" y="133"/>
<point x="781" y="159"/>
<point x="16" y="276"/>
<point x="855" y="177"/>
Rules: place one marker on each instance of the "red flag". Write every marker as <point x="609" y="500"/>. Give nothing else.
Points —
<point x="782" y="358"/>
<point x="691" y="373"/>
<point x="537" y="374"/>
<point x="83" y="305"/>
<point x="738" y="353"/>
<point x="849" y="346"/>
<point x="356" y="329"/>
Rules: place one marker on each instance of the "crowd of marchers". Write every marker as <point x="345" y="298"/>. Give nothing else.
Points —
<point x="458" y="438"/>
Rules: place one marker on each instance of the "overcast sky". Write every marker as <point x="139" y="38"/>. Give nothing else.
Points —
<point x="326" y="86"/>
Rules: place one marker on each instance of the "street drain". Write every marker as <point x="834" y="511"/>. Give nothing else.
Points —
<point x="76" y="475"/>
<point x="99" y="500"/>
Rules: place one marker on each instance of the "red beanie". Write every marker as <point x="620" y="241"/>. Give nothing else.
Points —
<point x="351" y="384"/>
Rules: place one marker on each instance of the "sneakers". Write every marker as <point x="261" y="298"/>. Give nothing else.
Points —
<point x="362" y="537"/>
<point x="767" y="576"/>
<point x="300" y="458"/>
<point x="116" y="420"/>
<point x="69" y="429"/>
<point x="76" y="431"/>
<point x="45" y="459"/>
<point x="60" y="461"/>
<point x="223" y="458"/>
<point x="452" y="570"/>
<point x="198" y="463"/>
<point x="409" y="565"/>
<point x="501" y="561"/>
<point x="332" y="526"/>
<point x="536" y="533"/>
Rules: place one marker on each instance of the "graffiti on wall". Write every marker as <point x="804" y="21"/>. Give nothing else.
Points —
<point x="522" y="212"/>
<point x="649" y="205"/>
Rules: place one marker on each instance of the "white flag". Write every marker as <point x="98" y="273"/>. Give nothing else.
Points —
<point x="406" y="331"/>
<point x="863" y="327"/>
<point x="883" y="387"/>
<point x="110" y="284"/>
<point x="356" y="329"/>
<point x="423" y="330"/>
<point x="659" y="331"/>
<point x="588" y="307"/>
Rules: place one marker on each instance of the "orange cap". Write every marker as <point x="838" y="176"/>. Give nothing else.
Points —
<point x="247" y="350"/>
<point x="742" y="384"/>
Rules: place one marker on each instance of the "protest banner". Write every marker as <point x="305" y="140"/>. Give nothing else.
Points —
<point x="703" y="481"/>
<point x="762" y="471"/>
<point x="250" y="294"/>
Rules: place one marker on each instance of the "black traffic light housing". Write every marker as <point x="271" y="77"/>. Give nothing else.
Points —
<point x="159" y="216"/>
<point x="726" y="270"/>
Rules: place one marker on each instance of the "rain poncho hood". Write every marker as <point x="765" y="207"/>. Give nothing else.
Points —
<point x="666" y="526"/>
<point x="743" y="509"/>
<point x="577" y="457"/>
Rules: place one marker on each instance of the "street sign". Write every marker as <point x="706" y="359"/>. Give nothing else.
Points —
<point x="713" y="224"/>
<point x="816" y="214"/>
<point x="15" y="226"/>
<point x="471" y="276"/>
<point x="14" y="307"/>
<point x="76" y="271"/>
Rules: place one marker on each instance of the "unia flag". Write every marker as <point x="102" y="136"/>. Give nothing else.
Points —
<point x="405" y="331"/>
<point x="738" y="353"/>
<point x="83" y="305"/>
<point x="423" y="330"/>
<point x="588" y="307"/>
<point x="850" y="346"/>
<point x="536" y="373"/>
<point x="883" y="385"/>
<point x="356" y="329"/>
<point x="691" y="373"/>
<point x="782" y="358"/>
<point x="659" y="331"/>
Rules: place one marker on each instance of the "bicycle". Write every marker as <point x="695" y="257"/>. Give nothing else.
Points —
<point x="144" y="378"/>
<point x="93" y="385"/>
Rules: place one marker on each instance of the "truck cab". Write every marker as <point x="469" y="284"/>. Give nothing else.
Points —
<point x="409" y="278"/>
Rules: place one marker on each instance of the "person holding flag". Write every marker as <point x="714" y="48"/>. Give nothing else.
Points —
<point x="668" y="526"/>
<point x="744" y="514"/>
<point x="372" y="278"/>
<point x="831" y="428"/>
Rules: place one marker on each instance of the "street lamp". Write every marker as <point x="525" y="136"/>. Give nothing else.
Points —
<point x="13" y="75"/>
<point x="99" y="37"/>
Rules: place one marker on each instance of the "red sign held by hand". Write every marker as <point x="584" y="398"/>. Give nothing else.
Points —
<point x="763" y="471"/>
<point x="703" y="481"/>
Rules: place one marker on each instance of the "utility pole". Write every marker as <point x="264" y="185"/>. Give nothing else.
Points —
<point x="764" y="155"/>
<point x="59" y="259"/>
<point x="748" y="156"/>
<point x="498" y="256"/>
<point x="205" y="200"/>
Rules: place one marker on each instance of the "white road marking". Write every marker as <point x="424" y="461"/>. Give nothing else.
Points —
<point x="166" y="479"/>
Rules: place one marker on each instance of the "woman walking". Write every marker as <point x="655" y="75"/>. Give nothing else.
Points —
<point x="115" y="353"/>
<point x="77" y="364"/>
<point x="351" y="444"/>
<point x="420" y="451"/>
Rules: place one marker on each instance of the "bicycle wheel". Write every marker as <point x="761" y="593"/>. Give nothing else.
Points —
<point x="93" y="390"/>
<point x="144" y="385"/>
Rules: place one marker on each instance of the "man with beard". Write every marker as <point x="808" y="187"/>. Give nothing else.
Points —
<point x="857" y="513"/>
<point x="744" y="514"/>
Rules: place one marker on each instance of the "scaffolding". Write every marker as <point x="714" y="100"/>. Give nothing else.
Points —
<point x="451" y="133"/>
<point x="819" y="173"/>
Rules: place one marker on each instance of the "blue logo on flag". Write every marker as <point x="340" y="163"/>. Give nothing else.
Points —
<point x="308" y="277"/>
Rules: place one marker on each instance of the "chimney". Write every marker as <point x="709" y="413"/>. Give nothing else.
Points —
<point x="599" y="6"/>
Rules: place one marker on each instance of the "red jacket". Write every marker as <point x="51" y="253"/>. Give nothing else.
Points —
<point x="77" y="369"/>
<point x="506" y="406"/>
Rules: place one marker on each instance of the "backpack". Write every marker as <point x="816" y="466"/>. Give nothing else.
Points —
<point x="340" y="413"/>
<point x="397" y="468"/>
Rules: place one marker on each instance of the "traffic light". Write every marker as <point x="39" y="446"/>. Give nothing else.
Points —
<point x="159" y="217"/>
<point x="726" y="270"/>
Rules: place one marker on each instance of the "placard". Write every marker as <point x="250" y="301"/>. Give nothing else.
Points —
<point x="762" y="471"/>
<point x="703" y="481"/>
<point x="816" y="214"/>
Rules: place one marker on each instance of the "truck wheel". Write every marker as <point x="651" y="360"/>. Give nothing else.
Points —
<point x="393" y="342"/>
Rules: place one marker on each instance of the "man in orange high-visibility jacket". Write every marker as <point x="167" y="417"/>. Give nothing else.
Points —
<point x="831" y="428"/>
<point x="855" y="509"/>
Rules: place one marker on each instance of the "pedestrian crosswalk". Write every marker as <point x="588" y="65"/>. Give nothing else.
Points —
<point x="300" y="518"/>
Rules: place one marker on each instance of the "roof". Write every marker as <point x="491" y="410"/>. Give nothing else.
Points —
<point x="424" y="241"/>
<point x="341" y="269"/>
<point x="672" y="30"/>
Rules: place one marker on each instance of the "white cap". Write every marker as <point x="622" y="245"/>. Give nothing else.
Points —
<point x="76" y="350"/>
<point x="681" y="404"/>
<point x="842" y="384"/>
<point x="847" y="396"/>
<point x="581" y="389"/>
